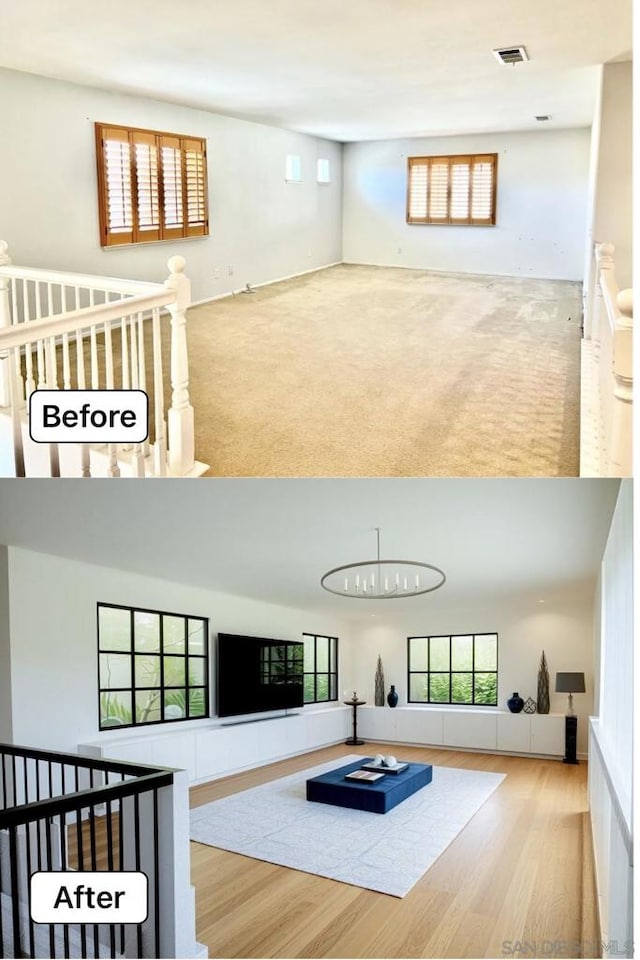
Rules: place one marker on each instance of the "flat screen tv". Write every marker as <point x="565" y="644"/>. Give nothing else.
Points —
<point x="256" y="674"/>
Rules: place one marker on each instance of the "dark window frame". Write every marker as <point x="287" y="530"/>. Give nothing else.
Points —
<point x="450" y="673"/>
<point x="162" y="688"/>
<point x="315" y="673"/>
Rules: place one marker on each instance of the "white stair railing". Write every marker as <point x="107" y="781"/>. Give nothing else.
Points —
<point x="607" y="376"/>
<point x="74" y="331"/>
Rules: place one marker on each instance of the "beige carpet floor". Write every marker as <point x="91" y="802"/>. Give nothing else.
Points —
<point x="375" y="371"/>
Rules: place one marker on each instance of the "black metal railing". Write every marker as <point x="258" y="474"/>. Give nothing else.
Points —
<point x="69" y="812"/>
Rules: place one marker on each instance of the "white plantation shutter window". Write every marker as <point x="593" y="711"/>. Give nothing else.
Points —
<point x="151" y="186"/>
<point x="452" y="190"/>
<point x="418" y="191"/>
<point x="438" y="191"/>
<point x="172" y="184"/>
<point x="194" y="160"/>
<point x="482" y="189"/>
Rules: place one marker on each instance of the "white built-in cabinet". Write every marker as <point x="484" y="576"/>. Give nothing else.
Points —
<point x="217" y="749"/>
<point x="541" y="735"/>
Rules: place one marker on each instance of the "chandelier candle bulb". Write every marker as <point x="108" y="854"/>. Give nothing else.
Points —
<point x="417" y="581"/>
<point x="386" y="584"/>
<point x="398" y="581"/>
<point x="405" y="585"/>
<point x="346" y="584"/>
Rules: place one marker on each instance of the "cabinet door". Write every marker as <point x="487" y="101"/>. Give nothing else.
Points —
<point x="414" y="725"/>
<point x="514" y="732"/>
<point x="547" y="735"/>
<point x="375" y="723"/>
<point x="468" y="728"/>
<point x="327" y="726"/>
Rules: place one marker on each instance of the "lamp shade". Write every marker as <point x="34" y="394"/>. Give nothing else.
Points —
<point x="570" y="683"/>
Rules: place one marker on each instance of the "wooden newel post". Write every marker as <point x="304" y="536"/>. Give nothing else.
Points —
<point x="5" y="321"/>
<point x="621" y="454"/>
<point x="180" y="418"/>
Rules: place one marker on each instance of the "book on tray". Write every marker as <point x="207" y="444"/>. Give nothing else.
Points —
<point x="364" y="776"/>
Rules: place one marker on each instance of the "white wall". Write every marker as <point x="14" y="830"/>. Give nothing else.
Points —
<point x="613" y="197"/>
<point x="54" y="644"/>
<point x="262" y="226"/>
<point x="541" y="207"/>
<point x="562" y="626"/>
<point x="5" y="651"/>
<point x="611" y="754"/>
<point x="616" y="648"/>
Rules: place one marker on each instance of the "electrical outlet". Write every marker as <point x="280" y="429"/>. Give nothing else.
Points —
<point x="230" y="269"/>
<point x="216" y="273"/>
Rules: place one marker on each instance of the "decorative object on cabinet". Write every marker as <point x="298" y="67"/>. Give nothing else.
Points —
<point x="379" y="684"/>
<point x="529" y="705"/>
<point x="543" y="685"/>
<point x="570" y="683"/>
<point x="382" y="579"/>
<point x="515" y="703"/>
<point x="392" y="697"/>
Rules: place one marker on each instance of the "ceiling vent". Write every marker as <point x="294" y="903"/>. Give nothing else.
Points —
<point x="511" y="54"/>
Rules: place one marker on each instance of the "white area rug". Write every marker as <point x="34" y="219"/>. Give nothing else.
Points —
<point x="384" y="852"/>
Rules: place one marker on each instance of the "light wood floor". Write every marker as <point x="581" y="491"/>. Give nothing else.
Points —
<point x="521" y="870"/>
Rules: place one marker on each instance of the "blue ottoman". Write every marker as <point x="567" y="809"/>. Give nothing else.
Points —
<point x="378" y="797"/>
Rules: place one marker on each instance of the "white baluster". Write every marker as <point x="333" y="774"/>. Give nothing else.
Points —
<point x="18" y="452"/>
<point x="620" y="452"/>
<point x="80" y="371"/>
<point x="54" y="460"/>
<point x="42" y="367"/>
<point x="108" y="356"/>
<point x="51" y="364"/>
<point x="66" y="366"/>
<point x="142" y="372"/>
<point x="113" y="470"/>
<point x="95" y="377"/>
<point x="5" y="321"/>
<point x="180" y="420"/>
<point x="160" y="446"/>
<point x="137" y="457"/>
<point x="126" y="383"/>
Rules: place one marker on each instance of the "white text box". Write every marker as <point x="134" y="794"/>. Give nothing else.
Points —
<point x="88" y="416"/>
<point x="89" y="897"/>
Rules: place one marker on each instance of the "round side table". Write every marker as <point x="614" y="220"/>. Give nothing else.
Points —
<point x="353" y="741"/>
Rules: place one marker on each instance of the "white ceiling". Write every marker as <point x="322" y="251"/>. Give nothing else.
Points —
<point x="342" y="69"/>
<point x="273" y="539"/>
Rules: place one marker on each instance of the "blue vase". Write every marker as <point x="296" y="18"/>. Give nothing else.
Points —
<point x="392" y="697"/>
<point x="515" y="703"/>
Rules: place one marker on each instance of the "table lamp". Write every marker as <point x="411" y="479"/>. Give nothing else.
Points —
<point x="570" y="683"/>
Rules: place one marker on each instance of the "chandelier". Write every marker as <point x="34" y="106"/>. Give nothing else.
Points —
<point x="383" y="579"/>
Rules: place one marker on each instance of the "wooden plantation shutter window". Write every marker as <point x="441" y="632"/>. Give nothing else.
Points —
<point x="151" y="185"/>
<point x="452" y="189"/>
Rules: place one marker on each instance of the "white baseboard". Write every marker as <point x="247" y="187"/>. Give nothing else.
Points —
<point x="466" y="273"/>
<point x="266" y="283"/>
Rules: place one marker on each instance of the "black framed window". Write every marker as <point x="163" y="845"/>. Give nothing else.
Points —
<point x="320" y="668"/>
<point x="459" y="668"/>
<point x="153" y="666"/>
